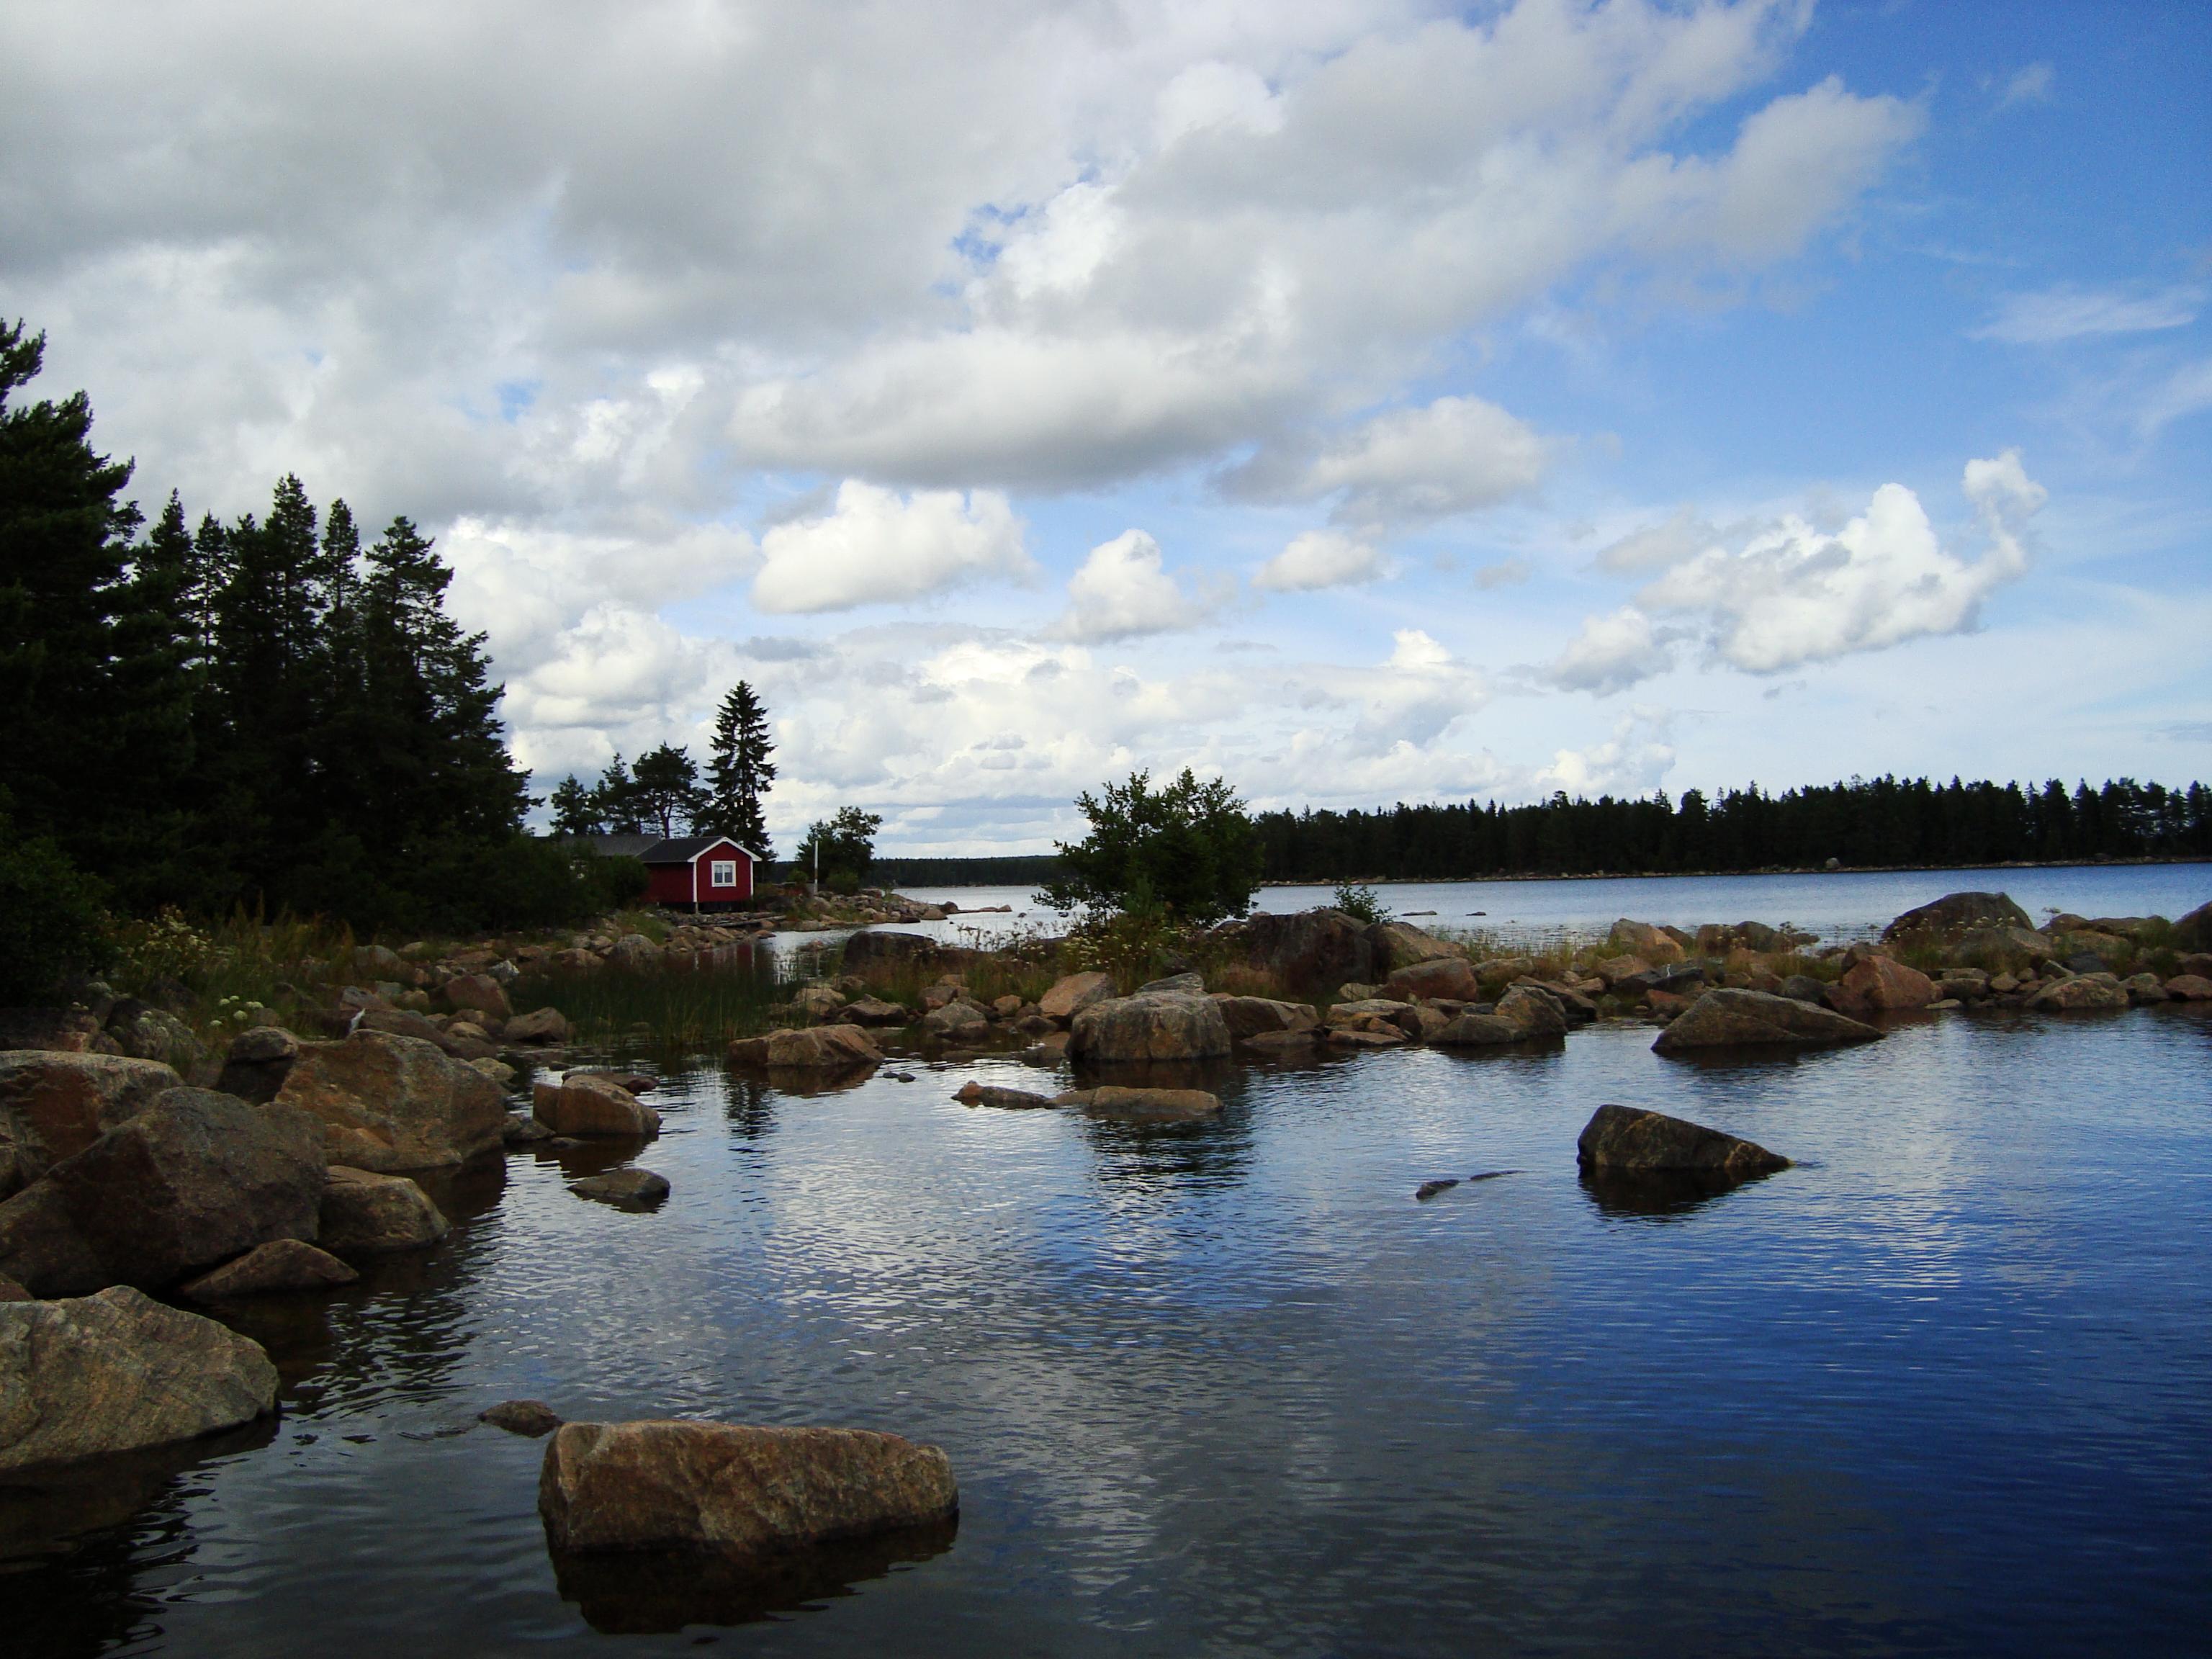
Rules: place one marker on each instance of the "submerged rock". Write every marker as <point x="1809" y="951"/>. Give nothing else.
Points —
<point x="118" y="1371"/>
<point x="1143" y="1105"/>
<point x="392" y="1102"/>
<point x="529" y="1418"/>
<point x="368" y="1214"/>
<point x="1726" y="1017"/>
<point x="719" y="1488"/>
<point x="626" y="1189"/>
<point x="1008" y="1100"/>
<point x="283" y="1264"/>
<point x="1627" y="1140"/>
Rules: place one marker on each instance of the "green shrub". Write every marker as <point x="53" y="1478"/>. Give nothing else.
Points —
<point x="52" y="922"/>
<point x="1362" y="903"/>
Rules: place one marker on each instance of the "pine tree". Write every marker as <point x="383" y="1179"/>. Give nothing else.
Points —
<point x="740" y="772"/>
<point x="575" y="811"/>
<point x="666" y="781"/>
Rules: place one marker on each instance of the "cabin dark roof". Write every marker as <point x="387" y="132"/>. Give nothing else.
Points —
<point x="620" y="846"/>
<point x="684" y="848"/>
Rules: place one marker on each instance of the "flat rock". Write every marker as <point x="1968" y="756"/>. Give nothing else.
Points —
<point x="724" y="1489"/>
<point x="582" y="1103"/>
<point x="1171" y="1026"/>
<point x="530" y="1418"/>
<point x="2189" y="987"/>
<point x="391" y="1103"/>
<point x="1007" y="1100"/>
<point x="1477" y="1031"/>
<point x="1070" y="996"/>
<point x="875" y="1010"/>
<point x="54" y="1104"/>
<point x="1727" y="1018"/>
<point x="365" y="1213"/>
<point x="1183" y="985"/>
<point x="282" y="1264"/>
<point x="1624" y="1139"/>
<point x="117" y="1371"/>
<point x="1279" y="1044"/>
<point x="626" y="1189"/>
<point x="1379" y="1036"/>
<point x="1143" y="1105"/>
<point x="541" y="1027"/>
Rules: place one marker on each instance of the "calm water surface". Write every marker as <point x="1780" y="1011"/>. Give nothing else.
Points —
<point x="1945" y="1387"/>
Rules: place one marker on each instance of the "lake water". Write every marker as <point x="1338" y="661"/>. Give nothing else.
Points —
<point x="1841" y="907"/>
<point x="1944" y="1388"/>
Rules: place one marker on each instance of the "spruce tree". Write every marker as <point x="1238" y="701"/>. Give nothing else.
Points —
<point x="614" y="799"/>
<point x="740" y="772"/>
<point x="575" y="812"/>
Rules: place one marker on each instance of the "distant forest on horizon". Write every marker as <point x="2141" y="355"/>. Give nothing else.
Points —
<point x="1866" y="823"/>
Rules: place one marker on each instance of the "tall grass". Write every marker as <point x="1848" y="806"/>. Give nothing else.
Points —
<point x="672" y="1006"/>
<point x="225" y="970"/>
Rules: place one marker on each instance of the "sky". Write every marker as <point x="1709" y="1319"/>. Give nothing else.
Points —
<point x="1362" y="402"/>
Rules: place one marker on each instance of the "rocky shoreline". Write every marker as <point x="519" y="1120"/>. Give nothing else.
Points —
<point x="130" y="1187"/>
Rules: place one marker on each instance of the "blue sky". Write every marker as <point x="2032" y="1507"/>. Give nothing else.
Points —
<point x="1366" y="401"/>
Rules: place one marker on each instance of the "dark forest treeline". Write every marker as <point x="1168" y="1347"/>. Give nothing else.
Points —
<point x="1866" y="823"/>
<point x="273" y="711"/>
<point x="1020" y="869"/>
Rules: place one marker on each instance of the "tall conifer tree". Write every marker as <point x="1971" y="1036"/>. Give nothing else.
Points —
<point x="740" y="772"/>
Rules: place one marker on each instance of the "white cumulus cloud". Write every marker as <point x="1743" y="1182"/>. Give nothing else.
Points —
<point x="1124" y="590"/>
<point x="1321" y="558"/>
<point x="1612" y="652"/>
<point x="877" y="547"/>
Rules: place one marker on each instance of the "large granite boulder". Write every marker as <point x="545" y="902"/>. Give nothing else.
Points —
<point x="1624" y="1140"/>
<point x="1532" y="1011"/>
<point x="1249" y="1017"/>
<point x="541" y="1027"/>
<point x="1947" y="920"/>
<point x="1449" y="977"/>
<point x="1640" y="938"/>
<point x="117" y="1371"/>
<point x="718" y="1488"/>
<point x="1311" y="949"/>
<point x="1399" y="945"/>
<point x="1727" y="1018"/>
<point x="1472" y="1030"/>
<point x="282" y="1264"/>
<point x="1997" y="949"/>
<point x="582" y="1103"/>
<point x="1172" y="1026"/>
<point x="257" y="1063"/>
<point x="1876" y="984"/>
<point x="393" y="1103"/>
<point x="193" y="1180"/>
<point x="1070" y="996"/>
<point x="817" y="1048"/>
<point x="874" y="951"/>
<point x="55" y="1104"/>
<point x="365" y="1214"/>
<point x="479" y="993"/>
<point x="2082" y="991"/>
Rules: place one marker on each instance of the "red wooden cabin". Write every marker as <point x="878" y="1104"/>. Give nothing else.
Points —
<point x="699" y="873"/>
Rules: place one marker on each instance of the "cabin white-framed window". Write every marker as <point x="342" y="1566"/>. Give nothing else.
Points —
<point x="721" y="872"/>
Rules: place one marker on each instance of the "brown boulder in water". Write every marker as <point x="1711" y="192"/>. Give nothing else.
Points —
<point x="720" y="1488"/>
<point x="1624" y="1140"/>
<point x="583" y="1103"/>
<point x="1727" y="1018"/>
<point x="1171" y="1026"/>
<point x="282" y="1264"/>
<point x="1876" y="984"/>
<point x="1143" y="1106"/>
<point x="117" y="1371"/>
<point x="391" y="1103"/>
<point x="369" y="1214"/>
